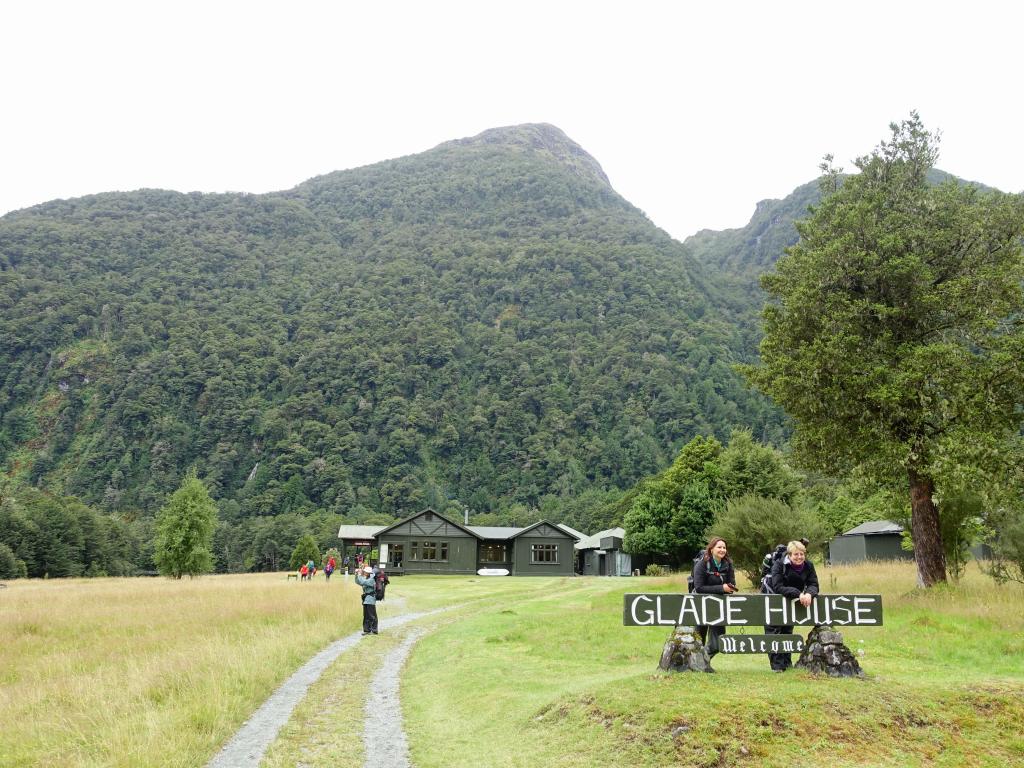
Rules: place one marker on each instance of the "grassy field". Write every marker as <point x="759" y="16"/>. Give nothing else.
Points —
<point x="557" y="680"/>
<point x="150" y="672"/>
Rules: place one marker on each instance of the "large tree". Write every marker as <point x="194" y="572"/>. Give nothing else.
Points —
<point x="894" y="338"/>
<point x="184" y="528"/>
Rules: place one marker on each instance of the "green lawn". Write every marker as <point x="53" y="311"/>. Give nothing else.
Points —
<point x="553" y="677"/>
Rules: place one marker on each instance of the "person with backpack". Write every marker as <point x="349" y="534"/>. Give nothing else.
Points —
<point x="794" y="578"/>
<point x="364" y="578"/>
<point x="769" y="560"/>
<point x="713" y="574"/>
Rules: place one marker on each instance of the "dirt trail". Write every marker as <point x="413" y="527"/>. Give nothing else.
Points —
<point x="247" y="747"/>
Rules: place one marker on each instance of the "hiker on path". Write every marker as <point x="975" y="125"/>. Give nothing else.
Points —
<point x="364" y="579"/>
<point x="714" y="574"/>
<point x="329" y="568"/>
<point x="793" y="577"/>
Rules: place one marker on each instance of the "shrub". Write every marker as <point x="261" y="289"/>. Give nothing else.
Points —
<point x="752" y="525"/>
<point x="1006" y="538"/>
<point x="10" y="566"/>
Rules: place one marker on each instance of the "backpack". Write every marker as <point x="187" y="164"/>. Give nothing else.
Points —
<point x="689" y="579"/>
<point x="766" y="568"/>
<point x="378" y="586"/>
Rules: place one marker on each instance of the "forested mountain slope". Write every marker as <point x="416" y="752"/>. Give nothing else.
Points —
<point x="736" y="258"/>
<point x="487" y="321"/>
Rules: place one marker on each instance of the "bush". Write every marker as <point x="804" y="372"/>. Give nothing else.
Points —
<point x="305" y="551"/>
<point x="753" y="525"/>
<point x="1006" y="538"/>
<point x="657" y="570"/>
<point x="10" y="566"/>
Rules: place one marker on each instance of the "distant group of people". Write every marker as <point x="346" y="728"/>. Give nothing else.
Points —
<point x="788" y="573"/>
<point x="308" y="569"/>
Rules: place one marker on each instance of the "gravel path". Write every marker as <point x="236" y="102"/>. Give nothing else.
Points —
<point x="247" y="747"/>
<point x="383" y="735"/>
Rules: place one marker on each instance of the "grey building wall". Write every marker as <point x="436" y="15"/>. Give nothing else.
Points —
<point x="856" y="548"/>
<point x="462" y="552"/>
<point x="522" y="554"/>
<point x="846" y="549"/>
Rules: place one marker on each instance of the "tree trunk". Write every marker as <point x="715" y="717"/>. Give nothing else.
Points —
<point x="924" y="527"/>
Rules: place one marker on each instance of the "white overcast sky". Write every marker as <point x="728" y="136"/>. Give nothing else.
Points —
<point x="695" y="110"/>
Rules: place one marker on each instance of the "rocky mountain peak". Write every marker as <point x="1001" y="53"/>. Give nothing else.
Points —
<point x="539" y="137"/>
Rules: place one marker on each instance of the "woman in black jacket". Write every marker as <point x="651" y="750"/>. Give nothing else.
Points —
<point x="713" y="574"/>
<point x="794" y="578"/>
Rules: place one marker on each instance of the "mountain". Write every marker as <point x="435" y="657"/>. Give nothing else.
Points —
<point x="487" y="323"/>
<point x="738" y="257"/>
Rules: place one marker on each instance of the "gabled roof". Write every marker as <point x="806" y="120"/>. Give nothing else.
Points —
<point x="873" y="527"/>
<point x="492" y="532"/>
<point x="359" y="531"/>
<point x="544" y="522"/>
<point x="594" y="542"/>
<point x="578" y="534"/>
<point x="422" y="512"/>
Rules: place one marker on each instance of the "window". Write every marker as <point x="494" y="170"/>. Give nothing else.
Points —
<point x="493" y="553"/>
<point x="414" y="550"/>
<point x="433" y="551"/>
<point x="544" y="553"/>
<point x="395" y="555"/>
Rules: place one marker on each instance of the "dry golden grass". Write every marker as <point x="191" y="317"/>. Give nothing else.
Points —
<point x="151" y="672"/>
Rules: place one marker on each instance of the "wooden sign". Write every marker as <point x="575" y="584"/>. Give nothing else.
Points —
<point x="760" y="644"/>
<point x="737" y="610"/>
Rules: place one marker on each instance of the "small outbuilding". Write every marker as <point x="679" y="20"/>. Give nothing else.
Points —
<point x="874" y="540"/>
<point x="602" y="555"/>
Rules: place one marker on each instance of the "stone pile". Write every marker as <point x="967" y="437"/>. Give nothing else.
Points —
<point x="684" y="652"/>
<point x="825" y="653"/>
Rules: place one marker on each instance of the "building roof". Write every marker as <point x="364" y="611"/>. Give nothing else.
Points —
<point x="480" y="531"/>
<point x="431" y="511"/>
<point x="573" y="531"/>
<point x="594" y="542"/>
<point x="874" y="527"/>
<point x="359" y="531"/>
<point x="492" y="532"/>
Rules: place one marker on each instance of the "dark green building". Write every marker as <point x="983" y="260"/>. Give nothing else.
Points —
<point x="874" y="540"/>
<point x="428" y="542"/>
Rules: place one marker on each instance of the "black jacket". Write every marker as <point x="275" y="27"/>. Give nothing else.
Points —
<point x="708" y="581"/>
<point x="786" y="581"/>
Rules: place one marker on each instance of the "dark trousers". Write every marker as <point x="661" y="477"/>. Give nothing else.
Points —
<point x="780" y="661"/>
<point x="369" y="619"/>
<point x="710" y="644"/>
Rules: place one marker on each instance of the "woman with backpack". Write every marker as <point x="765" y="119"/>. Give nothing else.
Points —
<point x="794" y="578"/>
<point x="713" y="574"/>
<point x="364" y="578"/>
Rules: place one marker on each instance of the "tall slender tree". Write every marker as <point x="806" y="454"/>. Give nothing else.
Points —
<point x="895" y="336"/>
<point x="184" y="530"/>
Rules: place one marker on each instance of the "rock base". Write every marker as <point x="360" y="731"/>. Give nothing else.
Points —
<point x="684" y="652"/>
<point x="825" y="653"/>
